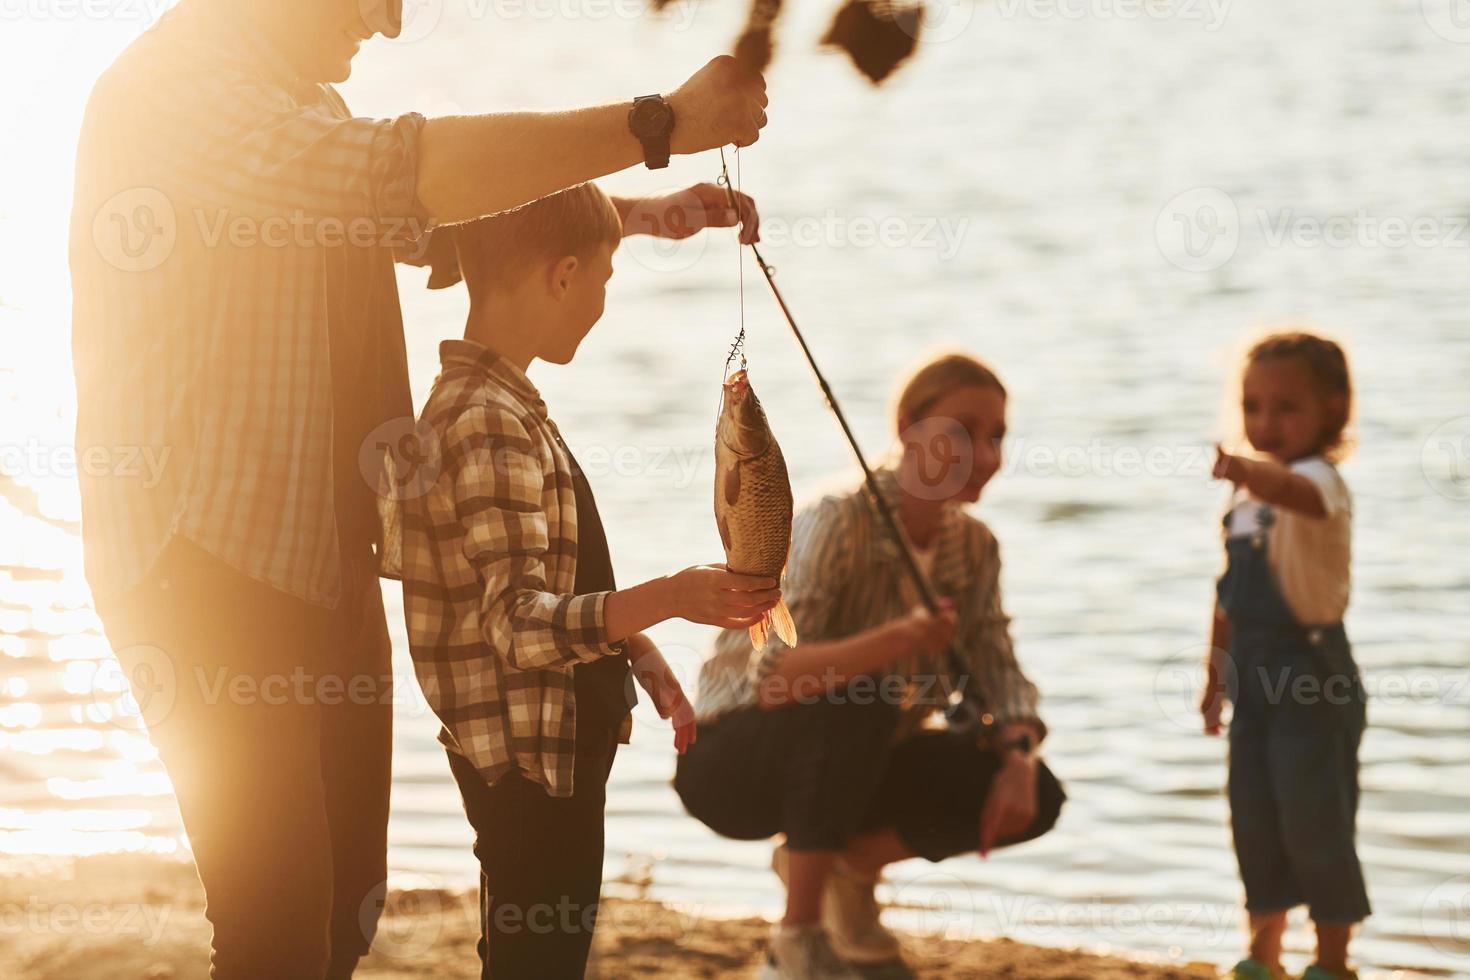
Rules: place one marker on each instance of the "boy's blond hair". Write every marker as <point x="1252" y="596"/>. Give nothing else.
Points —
<point x="499" y="249"/>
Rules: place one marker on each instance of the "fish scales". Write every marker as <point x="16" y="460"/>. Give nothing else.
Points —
<point x="753" y="504"/>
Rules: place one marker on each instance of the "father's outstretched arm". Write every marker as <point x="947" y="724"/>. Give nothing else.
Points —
<point x="471" y="166"/>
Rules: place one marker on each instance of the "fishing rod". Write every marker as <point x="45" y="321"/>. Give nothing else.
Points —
<point x="969" y="711"/>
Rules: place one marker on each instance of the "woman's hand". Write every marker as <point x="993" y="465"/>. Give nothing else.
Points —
<point x="1011" y="806"/>
<point x="664" y="689"/>
<point x="922" y="633"/>
<point x="715" y="596"/>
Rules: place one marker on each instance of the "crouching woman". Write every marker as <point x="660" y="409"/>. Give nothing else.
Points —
<point x="839" y="744"/>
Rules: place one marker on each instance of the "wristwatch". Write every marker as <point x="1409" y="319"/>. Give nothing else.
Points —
<point x="652" y="121"/>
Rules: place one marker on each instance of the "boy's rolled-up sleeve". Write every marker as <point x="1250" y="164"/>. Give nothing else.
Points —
<point x="498" y="478"/>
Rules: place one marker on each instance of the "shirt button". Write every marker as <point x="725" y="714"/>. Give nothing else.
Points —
<point x="1314" y="637"/>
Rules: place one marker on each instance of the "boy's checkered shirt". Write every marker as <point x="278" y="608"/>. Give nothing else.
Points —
<point x="489" y="563"/>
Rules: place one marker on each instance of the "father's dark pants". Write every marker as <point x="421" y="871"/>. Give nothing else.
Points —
<point x="274" y="720"/>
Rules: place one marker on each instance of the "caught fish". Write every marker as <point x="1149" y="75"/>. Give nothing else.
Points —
<point x="753" y="499"/>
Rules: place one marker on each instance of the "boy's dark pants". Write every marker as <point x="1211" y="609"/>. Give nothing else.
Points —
<point x="274" y="720"/>
<point x="540" y="862"/>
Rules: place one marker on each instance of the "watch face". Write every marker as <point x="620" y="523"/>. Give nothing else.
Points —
<point x="651" y="116"/>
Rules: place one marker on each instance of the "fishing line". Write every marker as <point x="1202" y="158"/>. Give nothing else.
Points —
<point x="738" y="347"/>
<point x="969" y="711"/>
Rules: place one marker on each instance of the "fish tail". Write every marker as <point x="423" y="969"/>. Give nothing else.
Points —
<point x="781" y="621"/>
<point x="761" y="632"/>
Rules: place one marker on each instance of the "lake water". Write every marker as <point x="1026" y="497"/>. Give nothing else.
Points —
<point x="1102" y="199"/>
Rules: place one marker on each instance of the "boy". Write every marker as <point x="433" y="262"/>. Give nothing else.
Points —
<point x="520" y="638"/>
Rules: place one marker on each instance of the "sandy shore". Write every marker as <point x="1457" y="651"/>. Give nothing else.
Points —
<point x="142" y="919"/>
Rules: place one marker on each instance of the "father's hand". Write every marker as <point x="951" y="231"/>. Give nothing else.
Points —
<point x="723" y="102"/>
<point x="680" y="214"/>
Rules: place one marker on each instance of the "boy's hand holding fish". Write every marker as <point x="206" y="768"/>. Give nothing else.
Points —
<point x="708" y="594"/>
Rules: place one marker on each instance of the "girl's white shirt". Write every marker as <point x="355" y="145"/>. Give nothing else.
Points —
<point x="1310" y="557"/>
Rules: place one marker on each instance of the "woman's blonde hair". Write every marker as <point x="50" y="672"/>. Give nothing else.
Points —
<point x="936" y="377"/>
<point x="1327" y="365"/>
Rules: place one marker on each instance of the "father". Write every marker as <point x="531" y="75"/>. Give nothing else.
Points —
<point x="235" y="313"/>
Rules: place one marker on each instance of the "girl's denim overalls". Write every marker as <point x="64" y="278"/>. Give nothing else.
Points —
<point x="1298" y="720"/>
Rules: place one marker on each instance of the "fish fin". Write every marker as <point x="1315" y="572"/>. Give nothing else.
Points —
<point x="761" y="632"/>
<point x="724" y="533"/>
<point x="732" y="485"/>
<point x="784" y="625"/>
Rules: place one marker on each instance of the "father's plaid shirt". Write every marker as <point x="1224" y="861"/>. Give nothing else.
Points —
<point x="489" y="563"/>
<point x="223" y="210"/>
